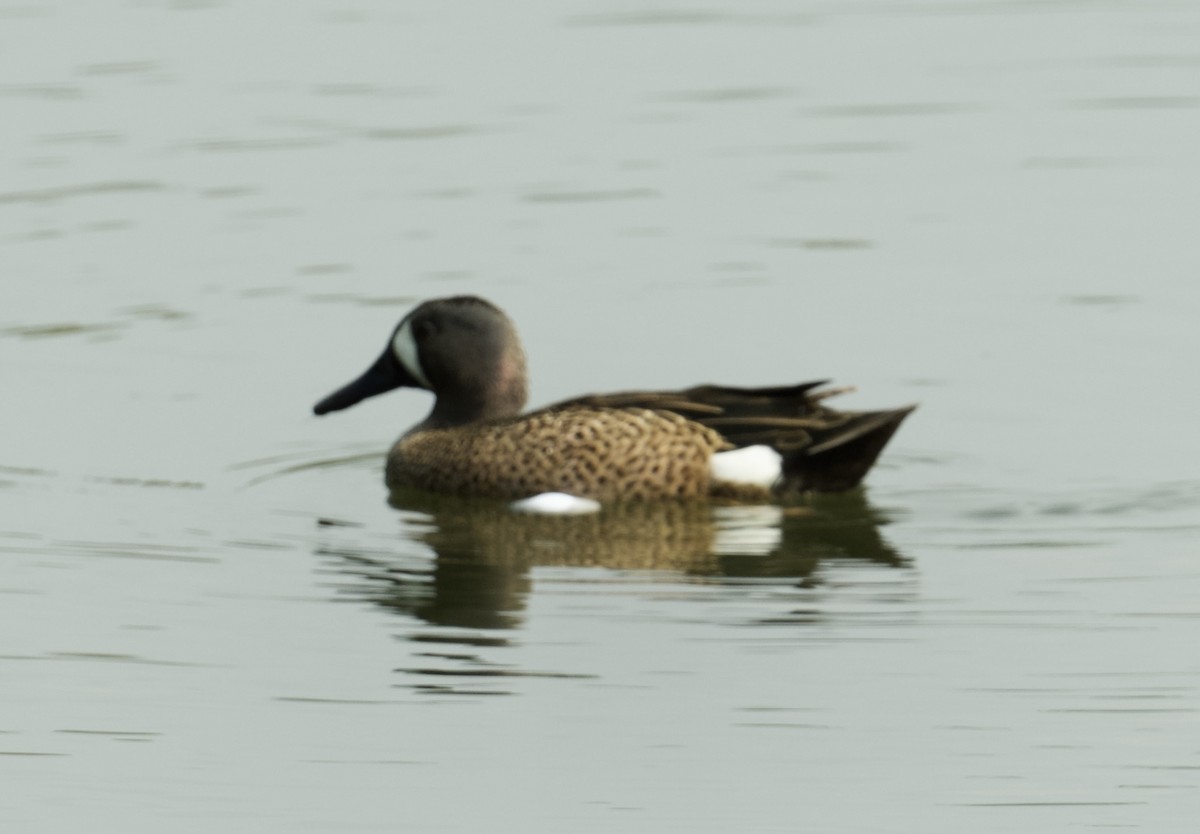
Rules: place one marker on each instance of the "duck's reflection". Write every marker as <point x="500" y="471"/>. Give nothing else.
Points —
<point x="484" y="551"/>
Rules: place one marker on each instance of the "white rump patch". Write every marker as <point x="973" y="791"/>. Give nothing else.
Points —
<point x="555" y="503"/>
<point x="758" y="465"/>
<point x="405" y="348"/>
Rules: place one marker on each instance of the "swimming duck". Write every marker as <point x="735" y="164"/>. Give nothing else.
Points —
<point x="706" y="442"/>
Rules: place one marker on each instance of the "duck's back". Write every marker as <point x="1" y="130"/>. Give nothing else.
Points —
<point x="603" y="453"/>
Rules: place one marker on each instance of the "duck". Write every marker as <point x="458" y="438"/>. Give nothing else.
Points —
<point x="707" y="442"/>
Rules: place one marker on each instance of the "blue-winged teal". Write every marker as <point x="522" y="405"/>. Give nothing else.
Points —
<point x="632" y="445"/>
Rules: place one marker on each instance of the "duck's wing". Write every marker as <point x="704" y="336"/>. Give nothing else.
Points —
<point x="823" y="449"/>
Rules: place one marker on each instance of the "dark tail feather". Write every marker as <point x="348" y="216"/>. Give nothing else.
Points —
<point x="840" y="459"/>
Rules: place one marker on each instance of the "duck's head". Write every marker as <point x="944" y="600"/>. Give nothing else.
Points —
<point x="464" y="349"/>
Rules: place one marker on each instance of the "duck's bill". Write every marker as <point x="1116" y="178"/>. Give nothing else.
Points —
<point x="385" y="375"/>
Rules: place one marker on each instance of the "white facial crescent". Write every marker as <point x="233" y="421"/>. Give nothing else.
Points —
<point x="404" y="346"/>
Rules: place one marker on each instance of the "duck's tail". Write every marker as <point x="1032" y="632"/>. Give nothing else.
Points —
<point x="842" y="453"/>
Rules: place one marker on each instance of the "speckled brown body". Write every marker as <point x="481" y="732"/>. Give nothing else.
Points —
<point x="601" y="453"/>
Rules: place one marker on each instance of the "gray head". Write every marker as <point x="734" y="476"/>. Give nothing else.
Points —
<point x="464" y="349"/>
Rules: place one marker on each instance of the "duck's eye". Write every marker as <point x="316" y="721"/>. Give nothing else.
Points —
<point x="422" y="329"/>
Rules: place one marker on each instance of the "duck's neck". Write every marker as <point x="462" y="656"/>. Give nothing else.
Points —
<point x="448" y="413"/>
<point x="500" y="393"/>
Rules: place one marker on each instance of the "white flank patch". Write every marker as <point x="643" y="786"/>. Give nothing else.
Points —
<point x="555" y="503"/>
<point x="759" y="465"/>
<point x="405" y="348"/>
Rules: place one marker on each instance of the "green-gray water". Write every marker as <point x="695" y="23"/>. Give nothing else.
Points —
<point x="212" y="213"/>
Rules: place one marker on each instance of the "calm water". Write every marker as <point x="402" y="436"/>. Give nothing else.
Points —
<point x="212" y="213"/>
